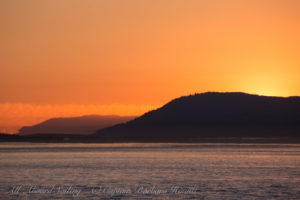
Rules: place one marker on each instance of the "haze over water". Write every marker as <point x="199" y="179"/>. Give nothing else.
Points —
<point x="149" y="171"/>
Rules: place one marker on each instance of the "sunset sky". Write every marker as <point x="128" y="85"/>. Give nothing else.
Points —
<point x="125" y="57"/>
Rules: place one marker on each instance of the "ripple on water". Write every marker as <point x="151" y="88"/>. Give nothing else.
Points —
<point x="215" y="171"/>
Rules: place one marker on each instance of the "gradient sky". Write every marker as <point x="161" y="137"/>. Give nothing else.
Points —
<point x="67" y="58"/>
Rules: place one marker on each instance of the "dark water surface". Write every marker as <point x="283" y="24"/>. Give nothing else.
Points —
<point x="149" y="171"/>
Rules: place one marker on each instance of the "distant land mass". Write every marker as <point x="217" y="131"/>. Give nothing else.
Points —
<point x="74" y="125"/>
<point x="215" y="114"/>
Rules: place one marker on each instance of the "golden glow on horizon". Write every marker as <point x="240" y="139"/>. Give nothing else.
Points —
<point x="271" y="81"/>
<point x="266" y="86"/>
<point x="142" y="52"/>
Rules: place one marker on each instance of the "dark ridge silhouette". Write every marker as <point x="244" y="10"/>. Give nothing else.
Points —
<point x="74" y="125"/>
<point x="216" y="115"/>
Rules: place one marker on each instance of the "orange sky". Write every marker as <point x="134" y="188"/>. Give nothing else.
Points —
<point x="128" y="56"/>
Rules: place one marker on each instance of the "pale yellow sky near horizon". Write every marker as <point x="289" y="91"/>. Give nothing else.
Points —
<point x="139" y="54"/>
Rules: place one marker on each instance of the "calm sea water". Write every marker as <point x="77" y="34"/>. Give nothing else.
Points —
<point x="149" y="171"/>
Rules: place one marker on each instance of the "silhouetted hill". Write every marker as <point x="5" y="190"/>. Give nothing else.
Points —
<point x="216" y="115"/>
<point x="73" y="125"/>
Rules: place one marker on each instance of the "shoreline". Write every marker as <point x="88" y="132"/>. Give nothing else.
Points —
<point x="96" y="139"/>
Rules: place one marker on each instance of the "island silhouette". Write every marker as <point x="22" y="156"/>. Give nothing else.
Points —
<point x="206" y="117"/>
<point x="82" y="125"/>
<point x="215" y="114"/>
